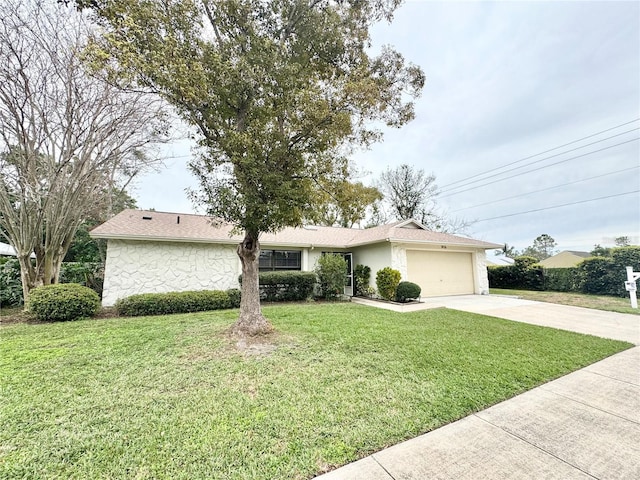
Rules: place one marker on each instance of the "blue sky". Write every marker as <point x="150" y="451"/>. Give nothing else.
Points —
<point x="507" y="81"/>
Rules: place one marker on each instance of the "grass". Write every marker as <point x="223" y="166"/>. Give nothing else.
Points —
<point x="171" y="397"/>
<point x="597" y="302"/>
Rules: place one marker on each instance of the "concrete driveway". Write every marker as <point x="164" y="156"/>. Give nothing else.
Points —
<point x="584" y="425"/>
<point x="619" y="326"/>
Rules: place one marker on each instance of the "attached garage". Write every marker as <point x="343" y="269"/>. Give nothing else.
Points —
<point x="441" y="273"/>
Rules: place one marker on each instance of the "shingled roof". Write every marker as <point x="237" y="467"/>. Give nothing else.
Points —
<point x="180" y="227"/>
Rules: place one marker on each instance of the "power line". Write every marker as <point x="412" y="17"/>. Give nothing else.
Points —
<point x="558" y="206"/>
<point x="541" y="153"/>
<point x="540" y="168"/>
<point x="548" y="188"/>
<point x="541" y="160"/>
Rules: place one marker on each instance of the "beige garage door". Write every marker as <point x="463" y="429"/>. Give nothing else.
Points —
<point x="441" y="273"/>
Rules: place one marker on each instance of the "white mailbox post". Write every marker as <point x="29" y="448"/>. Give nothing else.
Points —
<point x="631" y="287"/>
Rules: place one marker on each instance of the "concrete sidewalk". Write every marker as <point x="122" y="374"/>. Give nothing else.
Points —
<point x="584" y="425"/>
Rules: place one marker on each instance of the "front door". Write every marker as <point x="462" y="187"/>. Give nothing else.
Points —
<point x="348" y="289"/>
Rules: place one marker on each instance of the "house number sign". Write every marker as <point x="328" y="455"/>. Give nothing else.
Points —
<point x="630" y="286"/>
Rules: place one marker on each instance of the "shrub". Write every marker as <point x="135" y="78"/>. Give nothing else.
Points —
<point x="89" y="274"/>
<point x="407" y="291"/>
<point x="10" y="283"/>
<point x="562" y="279"/>
<point x="361" y="275"/>
<point x="63" y="301"/>
<point x="234" y="297"/>
<point x="285" y="286"/>
<point x="524" y="273"/>
<point x="387" y="280"/>
<point x="174" y="302"/>
<point x="595" y="275"/>
<point x="621" y="258"/>
<point x="528" y="273"/>
<point x="332" y="275"/>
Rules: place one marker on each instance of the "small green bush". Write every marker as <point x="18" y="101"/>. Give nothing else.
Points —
<point x="361" y="275"/>
<point x="332" y="275"/>
<point x="174" y="302"/>
<point x="387" y="280"/>
<point x="285" y="286"/>
<point x="62" y="302"/>
<point x="234" y="297"/>
<point x="407" y="291"/>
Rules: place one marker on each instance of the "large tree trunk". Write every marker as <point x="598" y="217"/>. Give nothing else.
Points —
<point x="251" y="322"/>
<point x="27" y="276"/>
<point x="45" y="272"/>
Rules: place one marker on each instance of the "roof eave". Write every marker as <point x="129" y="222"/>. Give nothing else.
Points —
<point x="113" y="236"/>
<point x="485" y="246"/>
<point x="229" y="241"/>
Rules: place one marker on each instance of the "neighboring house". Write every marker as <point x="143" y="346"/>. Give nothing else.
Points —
<point x="152" y="251"/>
<point x="7" y="250"/>
<point x="564" y="259"/>
<point x="494" y="260"/>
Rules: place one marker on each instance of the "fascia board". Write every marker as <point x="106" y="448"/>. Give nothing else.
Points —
<point x="491" y="246"/>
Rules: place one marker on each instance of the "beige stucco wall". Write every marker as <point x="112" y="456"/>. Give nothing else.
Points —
<point x="134" y="267"/>
<point x="375" y="257"/>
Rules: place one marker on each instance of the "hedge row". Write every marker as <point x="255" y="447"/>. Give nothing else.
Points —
<point x="286" y="286"/>
<point x="525" y="273"/>
<point x="177" y="302"/>
<point x="595" y="275"/>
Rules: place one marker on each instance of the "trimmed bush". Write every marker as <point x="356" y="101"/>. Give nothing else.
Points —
<point x="596" y="276"/>
<point x="62" y="302"/>
<point x="407" y="291"/>
<point x="562" y="279"/>
<point x="361" y="275"/>
<point x="387" y="280"/>
<point x="176" y="302"/>
<point x="234" y="297"/>
<point x="525" y="273"/>
<point x="332" y="275"/>
<point x="285" y="286"/>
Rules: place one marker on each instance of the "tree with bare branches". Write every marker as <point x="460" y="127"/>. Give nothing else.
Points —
<point x="409" y="192"/>
<point x="67" y="139"/>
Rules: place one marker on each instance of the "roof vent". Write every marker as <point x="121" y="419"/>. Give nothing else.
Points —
<point x="310" y="227"/>
<point x="146" y="218"/>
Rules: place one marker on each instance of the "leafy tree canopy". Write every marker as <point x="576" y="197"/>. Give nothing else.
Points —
<point x="543" y="247"/>
<point x="279" y="92"/>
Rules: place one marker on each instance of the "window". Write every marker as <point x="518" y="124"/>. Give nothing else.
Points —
<point x="280" y="260"/>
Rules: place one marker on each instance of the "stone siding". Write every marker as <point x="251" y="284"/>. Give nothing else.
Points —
<point x="482" y="276"/>
<point x="134" y="267"/>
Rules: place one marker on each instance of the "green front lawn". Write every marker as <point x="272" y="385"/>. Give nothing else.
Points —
<point x="172" y="397"/>
<point x="597" y="302"/>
